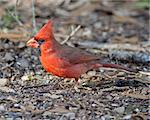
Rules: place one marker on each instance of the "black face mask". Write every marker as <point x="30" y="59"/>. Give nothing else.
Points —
<point x="40" y="42"/>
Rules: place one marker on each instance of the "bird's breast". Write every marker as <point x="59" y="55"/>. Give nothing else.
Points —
<point x="54" y="64"/>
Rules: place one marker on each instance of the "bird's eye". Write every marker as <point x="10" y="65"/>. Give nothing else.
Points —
<point x="40" y="41"/>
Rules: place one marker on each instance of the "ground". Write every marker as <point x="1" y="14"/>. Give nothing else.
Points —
<point x="117" y="31"/>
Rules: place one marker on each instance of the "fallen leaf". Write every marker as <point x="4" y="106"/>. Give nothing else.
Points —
<point x="140" y="116"/>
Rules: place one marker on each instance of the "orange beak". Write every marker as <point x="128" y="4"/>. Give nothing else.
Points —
<point x="32" y="43"/>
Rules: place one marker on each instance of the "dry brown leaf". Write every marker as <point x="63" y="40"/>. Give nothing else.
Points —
<point x="140" y="116"/>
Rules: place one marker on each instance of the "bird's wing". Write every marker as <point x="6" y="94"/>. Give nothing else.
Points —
<point x="77" y="56"/>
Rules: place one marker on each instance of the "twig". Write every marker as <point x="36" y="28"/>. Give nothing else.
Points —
<point x="7" y="66"/>
<point x="144" y="73"/>
<point x="15" y="17"/>
<point x="35" y="86"/>
<point x="15" y="11"/>
<point x="114" y="89"/>
<point x="33" y="17"/>
<point x="71" y="34"/>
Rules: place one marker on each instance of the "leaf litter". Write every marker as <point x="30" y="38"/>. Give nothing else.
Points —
<point x="115" y="30"/>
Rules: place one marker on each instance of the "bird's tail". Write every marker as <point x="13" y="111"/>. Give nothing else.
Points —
<point x="109" y="65"/>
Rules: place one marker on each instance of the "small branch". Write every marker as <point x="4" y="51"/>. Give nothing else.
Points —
<point x="114" y="89"/>
<point x="35" y="86"/>
<point x="71" y="34"/>
<point x="33" y="17"/>
<point x="15" y="16"/>
<point x="16" y="7"/>
<point x="144" y="73"/>
<point x="7" y="66"/>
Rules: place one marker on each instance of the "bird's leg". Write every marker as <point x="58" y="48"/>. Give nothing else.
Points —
<point x="77" y="85"/>
<point x="77" y="81"/>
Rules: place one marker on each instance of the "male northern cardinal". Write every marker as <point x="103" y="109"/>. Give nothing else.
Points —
<point x="62" y="60"/>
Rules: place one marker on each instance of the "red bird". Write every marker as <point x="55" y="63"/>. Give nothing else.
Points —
<point x="62" y="60"/>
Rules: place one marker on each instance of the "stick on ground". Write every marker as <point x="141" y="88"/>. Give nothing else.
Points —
<point x="71" y="34"/>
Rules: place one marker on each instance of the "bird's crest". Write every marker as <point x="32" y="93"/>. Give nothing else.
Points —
<point x="46" y="32"/>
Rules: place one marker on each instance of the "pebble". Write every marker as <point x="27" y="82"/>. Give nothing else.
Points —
<point x="136" y="110"/>
<point x="109" y="97"/>
<point x="2" y="108"/>
<point x="127" y="117"/>
<point x="102" y="118"/>
<point x="6" y="46"/>
<point x="16" y="105"/>
<point x="23" y="63"/>
<point x="18" y="118"/>
<point x="47" y="113"/>
<point x="70" y="115"/>
<point x="93" y="105"/>
<point x="91" y="73"/>
<point x="8" y="57"/>
<point x="107" y="117"/>
<point x="120" y="110"/>
<point x="25" y="77"/>
<point x="98" y="25"/>
<point x="54" y="96"/>
<point x="114" y="105"/>
<point x="3" y="81"/>
<point x="87" y="32"/>
<point x="10" y="118"/>
<point x="21" y="45"/>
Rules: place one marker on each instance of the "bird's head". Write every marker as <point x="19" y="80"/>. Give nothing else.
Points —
<point x="44" y="34"/>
